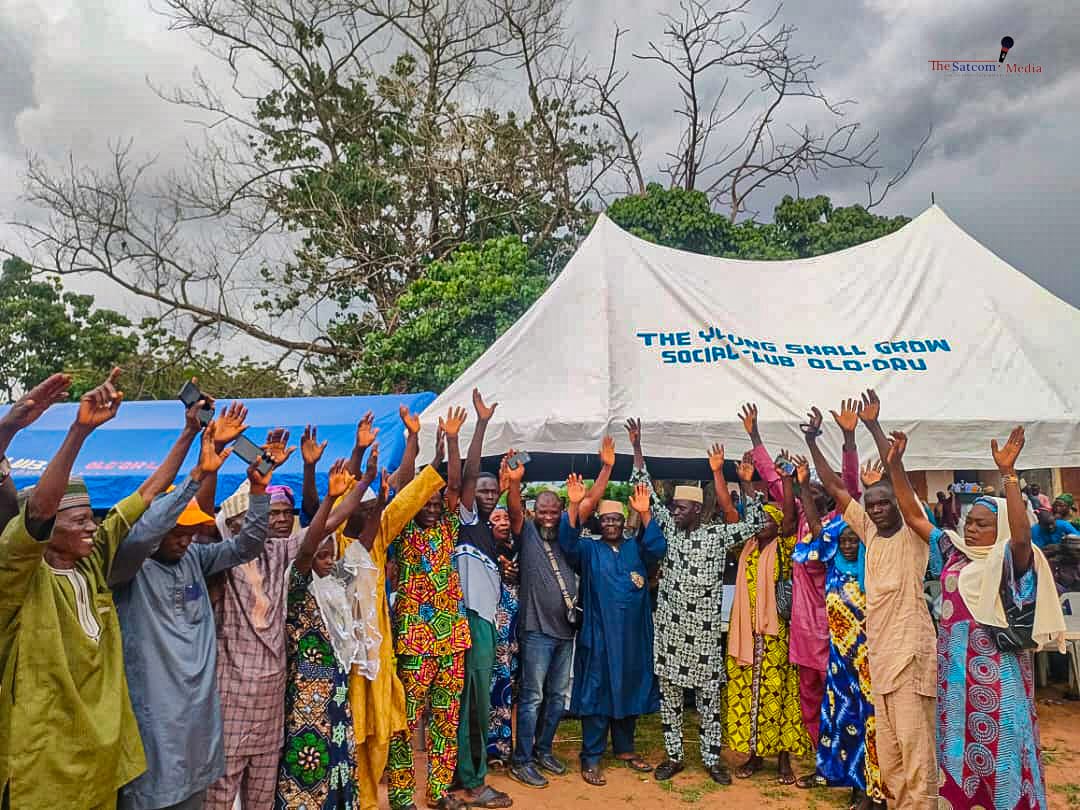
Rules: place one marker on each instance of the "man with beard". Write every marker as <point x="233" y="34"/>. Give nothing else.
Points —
<point x="900" y="637"/>
<point x="689" y="653"/>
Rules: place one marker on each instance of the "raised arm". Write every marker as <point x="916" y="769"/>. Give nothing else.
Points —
<point x="1019" y="528"/>
<point x="723" y="498"/>
<point x="249" y="541"/>
<point x="847" y="420"/>
<point x="229" y="425"/>
<point x="164" y="475"/>
<point x="596" y="491"/>
<point x="569" y="526"/>
<point x="653" y="544"/>
<point x="910" y="508"/>
<point x="763" y="462"/>
<point x="833" y="485"/>
<point x="790" y="523"/>
<point x="338" y="483"/>
<point x="366" y="434"/>
<point x="406" y="470"/>
<point x="351" y="502"/>
<point x="450" y="427"/>
<point x="633" y="430"/>
<point x="869" y="411"/>
<point x="369" y="534"/>
<point x="311" y="449"/>
<point x="640" y="475"/>
<point x="476" y="450"/>
<point x="802" y="474"/>
<point x="514" y="504"/>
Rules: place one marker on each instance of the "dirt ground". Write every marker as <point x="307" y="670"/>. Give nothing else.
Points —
<point x="1059" y="722"/>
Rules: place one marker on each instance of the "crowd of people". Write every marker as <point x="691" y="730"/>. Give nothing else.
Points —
<point x="178" y="655"/>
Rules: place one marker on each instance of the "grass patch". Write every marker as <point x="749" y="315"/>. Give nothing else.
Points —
<point x="689" y="794"/>
<point x="1071" y="792"/>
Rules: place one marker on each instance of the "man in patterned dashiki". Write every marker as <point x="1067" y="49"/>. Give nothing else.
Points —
<point x="170" y="643"/>
<point x="988" y="750"/>
<point x="431" y="636"/>
<point x="689" y="652"/>
<point x="764" y="718"/>
<point x="613" y="675"/>
<point x="72" y="732"/>
<point x="324" y="639"/>
<point x="847" y="745"/>
<point x="899" y="632"/>
<point x="249" y="609"/>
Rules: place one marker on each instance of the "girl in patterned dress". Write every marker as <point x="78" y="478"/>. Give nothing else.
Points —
<point x="504" y="676"/>
<point x="318" y="763"/>
<point x="988" y="733"/>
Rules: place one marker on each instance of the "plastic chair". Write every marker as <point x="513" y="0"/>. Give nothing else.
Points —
<point x="1070" y="606"/>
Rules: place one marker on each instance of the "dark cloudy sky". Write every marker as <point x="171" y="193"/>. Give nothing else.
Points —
<point x="1002" y="162"/>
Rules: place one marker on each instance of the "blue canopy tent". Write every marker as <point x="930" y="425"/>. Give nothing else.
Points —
<point x="118" y="456"/>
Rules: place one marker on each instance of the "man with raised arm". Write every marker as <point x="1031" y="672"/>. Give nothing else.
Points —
<point x="900" y="635"/>
<point x="68" y="733"/>
<point x="689" y="653"/>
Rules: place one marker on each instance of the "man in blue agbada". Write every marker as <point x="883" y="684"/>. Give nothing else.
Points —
<point x="613" y="660"/>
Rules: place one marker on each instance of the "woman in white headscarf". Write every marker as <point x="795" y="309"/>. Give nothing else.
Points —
<point x="998" y="604"/>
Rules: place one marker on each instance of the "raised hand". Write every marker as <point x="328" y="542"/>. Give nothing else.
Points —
<point x="483" y="412"/>
<point x="639" y="499"/>
<point x="310" y="448"/>
<point x="870" y="408"/>
<point x="607" y="451"/>
<point x="745" y="468"/>
<point x="384" y="489"/>
<point x="410" y="420"/>
<point x="897" y="446"/>
<point x="365" y="432"/>
<point x="748" y="417"/>
<point x="504" y="475"/>
<point x="1005" y="457"/>
<point x="340" y="479"/>
<point x="440" y="447"/>
<point x="517" y="474"/>
<point x="848" y="418"/>
<point x="210" y="458"/>
<point x="633" y="430"/>
<point x="277" y="446"/>
<point x="31" y="405"/>
<point x="802" y="470"/>
<point x="716" y="457"/>
<point x="871" y="473"/>
<point x="575" y="489"/>
<point x="231" y="423"/>
<point x="452" y="422"/>
<point x="372" y="468"/>
<point x="812" y="426"/>
<point x="98" y="406"/>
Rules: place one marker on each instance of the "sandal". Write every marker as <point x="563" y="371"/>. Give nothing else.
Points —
<point x="786" y="778"/>
<point x="809" y="780"/>
<point x="635" y="763"/>
<point x="749" y="768"/>
<point x="447" y="802"/>
<point x="489" y="797"/>
<point x="593" y="776"/>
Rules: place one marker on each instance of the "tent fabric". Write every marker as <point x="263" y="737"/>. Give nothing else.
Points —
<point x="119" y="456"/>
<point x="960" y="346"/>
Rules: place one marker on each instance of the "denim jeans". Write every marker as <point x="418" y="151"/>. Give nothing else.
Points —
<point x="544" y="679"/>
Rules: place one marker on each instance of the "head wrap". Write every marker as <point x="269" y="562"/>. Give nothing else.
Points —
<point x="856" y="568"/>
<point x="1067" y="499"/>
<point x="775" y="513"/>
<point x="980" y="582"/>
<point x="989" y="503"/>
<point x="610" y="508"/>
<point x="279" y="493"/>
<point x="692" y="494"/>
<point x="76" y="495"/>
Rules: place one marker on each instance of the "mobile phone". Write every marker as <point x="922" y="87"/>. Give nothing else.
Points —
<point x="189" y="395"/>
<point x="250" y="452"/>
<point x="518" y="459"/>
<point x="785" y="465"/>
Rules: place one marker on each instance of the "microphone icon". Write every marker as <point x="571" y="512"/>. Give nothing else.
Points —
<point x="1006" y="43"/>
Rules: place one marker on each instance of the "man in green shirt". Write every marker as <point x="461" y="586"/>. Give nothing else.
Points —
<point x="67" y="731"/>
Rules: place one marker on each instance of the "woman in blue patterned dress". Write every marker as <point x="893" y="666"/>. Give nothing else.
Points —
<point x="504" y="676"/>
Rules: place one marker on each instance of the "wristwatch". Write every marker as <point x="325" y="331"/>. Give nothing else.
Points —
<point x="5" y="469"/>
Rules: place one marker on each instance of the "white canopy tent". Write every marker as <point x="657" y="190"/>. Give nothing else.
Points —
<point x="959" y="345"/>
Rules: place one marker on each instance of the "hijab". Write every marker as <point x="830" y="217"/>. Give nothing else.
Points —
<point x="853" y="568"/>
<point x="979" y="582"/>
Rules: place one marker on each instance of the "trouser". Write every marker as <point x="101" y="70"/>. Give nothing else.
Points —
<point x="905" y="726"/>
<point x="811" y="696"/>
<point x="439" y="678"/>
<point x="252" y="777"/>
<point x="710" y="702"/>
<point x="594" y="734"/>
<point x="371" y="756"/>
<point x="476" y="703"/>
<point x="544" y="679"/>
<point x="193" y="802"/>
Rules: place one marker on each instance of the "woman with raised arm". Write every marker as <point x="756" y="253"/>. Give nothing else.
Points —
<point x="764" y="718"/>
<point x="998" y="603"/>
<point x="847" y="748"/>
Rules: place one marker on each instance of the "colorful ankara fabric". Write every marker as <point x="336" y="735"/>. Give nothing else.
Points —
<point x="318" y="764"/>
<point x="847" y="747"/>
<point x="438" y="679"/>
<point x="988" y="732"/>
<point x="763" y="714"/>
<point x="689" y="650"/>
<point x="72" y="731"/>
<point x="378" y="706"/>
<point x="504" y="677"/>
<point x="429" y="614"/>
